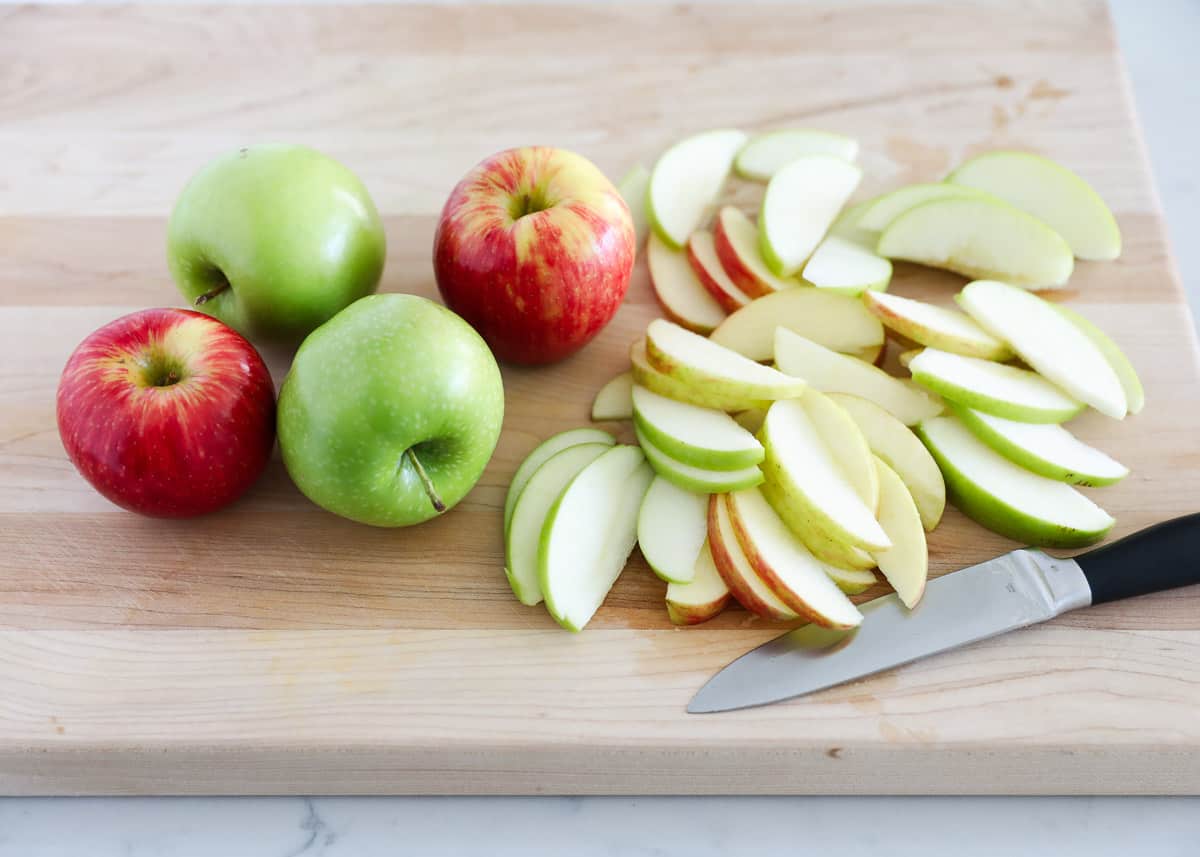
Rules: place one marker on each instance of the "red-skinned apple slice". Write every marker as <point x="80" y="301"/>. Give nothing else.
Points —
<point x="935" y="326"/>
<point x="835" y="321"/>
<point x="673" y="388"/>
<point x="735" y="239"/>
<point x="702" y="255"/>
<point x="679" y="290"/>
<point x="702" y="598"/>
<point x="735" y="569"/>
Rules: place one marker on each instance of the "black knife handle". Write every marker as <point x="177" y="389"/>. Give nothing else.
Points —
<point x="1161" y="557"/>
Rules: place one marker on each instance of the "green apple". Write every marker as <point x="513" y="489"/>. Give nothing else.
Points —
<point x="703" y="437"/>
<point x="994" y="388"/>
<point x="1047" y="341"/>
<point x="589" y="533"/>
<point x="615" y="399"/>
<point x="906" y="563"/>
<point x="686" y="181"/>
<point x="750" y="590"/>
<point x="672" y="526"/>
<point x="1006" y="497"/>
<point x="836" y="321"/>
<point x="274" y="240"/>
<point x="683" y="297"/>
<point x="848" y="226"/>
<point x="768" y="153"/>
<point x="1051" y="193"/>
<point x="1048" y="450"/>
<point x="540" y="455"/>
<point x="801" y="201"/>
<point x="633" y="189"/>
<point x="674" y="388"/>
<point x="391" y="411"/>
<point x="1135" y="396"/>
<point x="702" y="597"/>
<point x="699" y="479"/>
<point x="840" y="265"/>
<point x="935" y="326"/>
<point x="980" y="238"/>
<point x="879" y="212"/>
<point x="846" y="442"/>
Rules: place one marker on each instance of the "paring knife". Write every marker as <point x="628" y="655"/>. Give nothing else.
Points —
<point x="1011" y="591"/>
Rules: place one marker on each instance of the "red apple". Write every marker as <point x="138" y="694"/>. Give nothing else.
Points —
<point x="534" y="249"/>
<point x="167" y="412"/>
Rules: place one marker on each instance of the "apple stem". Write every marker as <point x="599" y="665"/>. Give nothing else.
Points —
<point x="426" y="482"/>
<point x="212" y="293"/>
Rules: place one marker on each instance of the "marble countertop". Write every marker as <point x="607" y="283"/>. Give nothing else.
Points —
<point x="1158" y="39"/>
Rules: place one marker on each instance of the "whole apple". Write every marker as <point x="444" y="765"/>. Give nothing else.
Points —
<point x="534" y="249"/>
<point x="167" y="412"/>
<point x="391" y="411"/>
<point x="274" y="240"/>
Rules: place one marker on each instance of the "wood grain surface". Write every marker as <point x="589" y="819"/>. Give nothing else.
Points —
<point x="272" y="647"/>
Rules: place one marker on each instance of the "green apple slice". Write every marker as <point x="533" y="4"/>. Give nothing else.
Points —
<point x="994" y="388"/>
<point x="704" y="437"/>
<point x="1048" y="341"/>
<point x="672" y="526"/>
<point x="848" y="226"/>
<point x="743" y="581"/>
<point x="699" y="362"/>
<point x="835" y="552"/>
<point x="879" y="212"/>
<point x="842" y="266"/>
<point x="896" y="445"/>
<point x="906" y="563"/>
<point x="767" y="153"/>
<point x="830" y="372"/>
<point x="673" y="388"/>
<point x="699" y="479"/>
<point x="836" y="321"/>
<point x="801" y="202"/>
<point x="700" y="599"/>
<point x="679" y="290"/>
<point x="686" y="181"/>
<point x="1006" y="497"/>
<point x="846" y="443"/>
<point x="980" y="238"/>
<point x="633" y="189"/>
<point x="615" y="399"/>
<point x="783" y="563"/>
<point x="541" y="454"/>
<point x="852" y="581"/>
<point x="1050" y="192"/>
<point x="1135" y="396"/>
<point x="702" y="255"/>
<point x="1048" y="450"/>
<point x="523" y="538"/>
<point x="736" y="241"/>
<point x="589" y="533"/>
<point x="937" y="327"/>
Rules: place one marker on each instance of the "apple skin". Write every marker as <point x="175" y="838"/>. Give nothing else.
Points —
<point x="389" y="379"/>
<point x="534" y="249"/>
<point x="167" y="412"/>
<point x="291" y="232"/>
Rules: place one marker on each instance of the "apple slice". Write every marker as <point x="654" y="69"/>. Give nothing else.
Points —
<point x="523" y="538"/>
<point x="703" y="437"/>
<point x="836" y="321"/>
<point x="906" y="563"/>
<point x="686" y="180"/>
<point x="1006" y="497"/>
<point x="980" y="238"/>
<point x="1048" y="450"/>
<point x="852" y="581"/>
<point x="743" y="581"/>
<point x="903" y="452"/>
<point x="800" y="204"/>
<point x="702" y="598"/>
<point x="1051" y="193"/>
<point x="839" y="265"/>
<point x="633" y="189"/>
<point x="1048" y="341"/>
<point x="699" y="362"/>
<point x="735" y="238"/>
<point x="672" y="526"/>
<point x="541" y="454"/>
<point x="994" y="388"/>
<point x="589" y="533"/>
<point x="935" y="326"/>
<point x="671" y="387"/>
<point x="767" y="153"/>
<point x="784" y="564"/>
<point x="835" y="552"/>
<point x="702" y="255"/>
<point x="679" y="290"/>
<point x="848" y="226"/>
<point x="700" y="479"/>
<point x="831" y="372"/>
<point x="1135" y="396"/>
<point x="879" y="212"/>
<point x="846" y="443"/>
<point x="615" y="399"/>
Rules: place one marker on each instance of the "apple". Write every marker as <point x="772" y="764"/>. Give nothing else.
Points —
<point x="994" y="388"/>
<point x="743" y="581"/>
<point x="736" y="241"/>
<point x="686" y="181"/>
<point x="1051" y="193"/>
<point x="1135" y="396"/>
<point x="836" y="321"/>
<point x="801" y="201"/>
<point x="702" y="256"/>
<point x="274" y="240"/>
<point x="615" y="399"/>
<point x="682" y="295"/>
<point x="1048" y="342"/>
<point x="391" y="411"/>
<point x="852" y="581"/>
<point x="980" y="238"/>
<point x="692" y="478"/>
<point x="906" y="563"/>
<point x="840" y="265"/>
<point x="589" y="533"/>
<point x="701" y="598"/>
<point x="1006" y="497"/>
<point x="167" y="412"/>
<point x="835" y="552"/>
<point x="935" y="326"/>
<point x="848" y="226"/>
<point x="673" y="388"/>
<point x="846" y="443"/>
<point x="703" y="437"/>
<point x="534" y="250"/>
<point x="767" y="153"/>
<point x="522" y="539"/>
<point x="1048" y="450"/>
<point x="831" y="372"/>
<point x="633" y="187"/>
<point x="541" y="454"/>
<point x="672" y="526"/>
<point x="879" y="212"/>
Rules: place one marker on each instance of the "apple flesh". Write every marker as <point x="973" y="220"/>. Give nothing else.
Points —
<point x="702" y="255"/>
<point x="703" y="437"/>
<point x="879" y="213"/>
<point x="699" y="479"/>
<point x="633" y="187"/>
<point x="167" y="412"/>
<point x="906" y="563"/>
<point x="674" y="388"/>
<point x="672" y="526"/>
<point x="701" y="598"/>
<point x="542" y="453"/>
<point x="848" y="226"/>
<point x="768" y="153"/>
<point x="686" y="181"/>
<point x="683" y="297"/>
<point x="1135" y="396"/>
<point x="839" y="265"/>
<point x="743" y="581"/>
<point x="935" y="326"/>
<point x="835" y="321"/>
<point x="736" y="241"/>
<point x="801" y="202"/>
<point x="846" y="443"/>
<point x="615" y="399"/>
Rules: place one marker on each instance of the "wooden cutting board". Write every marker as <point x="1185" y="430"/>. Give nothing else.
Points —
<point x="275" y="648"/>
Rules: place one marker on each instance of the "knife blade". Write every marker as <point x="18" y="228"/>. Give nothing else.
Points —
<point x="1012" y="591"/>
